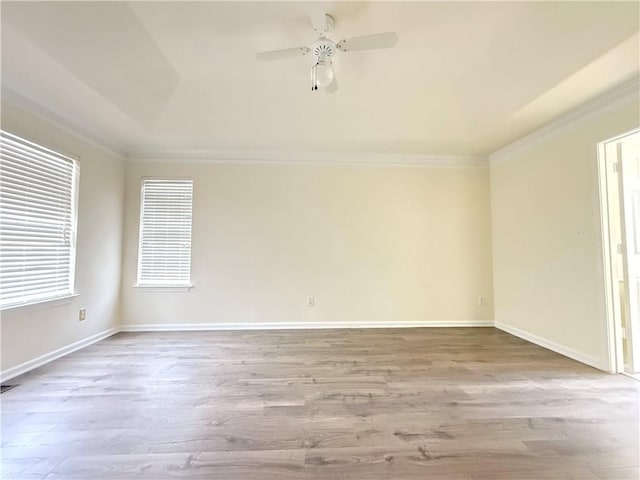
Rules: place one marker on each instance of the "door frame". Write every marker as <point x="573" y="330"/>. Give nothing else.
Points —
<point x="609" y="252"/>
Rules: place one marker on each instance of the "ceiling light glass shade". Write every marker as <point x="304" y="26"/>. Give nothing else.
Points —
<point x="321" y="74"/>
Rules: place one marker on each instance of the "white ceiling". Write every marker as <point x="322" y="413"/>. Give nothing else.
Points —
<point x="465" y="78"/>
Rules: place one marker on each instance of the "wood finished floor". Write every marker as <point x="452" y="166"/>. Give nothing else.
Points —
<point x="455" y="404"/>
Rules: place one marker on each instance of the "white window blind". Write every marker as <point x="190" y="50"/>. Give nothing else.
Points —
<point x="164" y="255"/>
<point x="38" y="212"/>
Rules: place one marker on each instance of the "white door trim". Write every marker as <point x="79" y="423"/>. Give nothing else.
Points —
<point x="609" y="252"/>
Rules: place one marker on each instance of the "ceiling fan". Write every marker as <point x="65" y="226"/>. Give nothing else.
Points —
<point x="322" y="74"/>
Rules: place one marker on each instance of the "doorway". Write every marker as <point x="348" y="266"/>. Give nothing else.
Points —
<point x="619" y="166"/>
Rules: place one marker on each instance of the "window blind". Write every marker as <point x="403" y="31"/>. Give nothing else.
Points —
<point x="164" y="256"/>
<point x="38" y="205"/>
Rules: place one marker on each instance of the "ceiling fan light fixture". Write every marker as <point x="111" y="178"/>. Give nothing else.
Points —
<point x="321" y="73"/>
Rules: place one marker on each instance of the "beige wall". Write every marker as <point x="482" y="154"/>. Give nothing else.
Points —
<point x="371" y="244"/>
<point x="29" y="332"/>
<point x="547" y="253"/>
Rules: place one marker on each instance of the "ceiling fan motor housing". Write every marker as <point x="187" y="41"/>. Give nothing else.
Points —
<point x="323" y="47"/>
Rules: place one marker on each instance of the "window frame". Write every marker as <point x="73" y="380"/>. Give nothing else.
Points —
<point x="177" y="287"/>
<point x="71" y="292"/>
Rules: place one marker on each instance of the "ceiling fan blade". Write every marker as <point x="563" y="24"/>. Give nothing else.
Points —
<point x="285" y="53"/>
<point x="368" y="42"/>
<point x="332" y="87"/>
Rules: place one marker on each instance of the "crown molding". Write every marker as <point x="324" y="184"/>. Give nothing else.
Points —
<point x="310" y="158"/>
<point x="28" y="105"/>
<point x="22" y="102"/>
<point x="624" y="94"/>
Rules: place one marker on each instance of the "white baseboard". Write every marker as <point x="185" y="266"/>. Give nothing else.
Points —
<point x="556" y="347"/>
<point x="179" y="327"/>
<point x="60" y="352"/>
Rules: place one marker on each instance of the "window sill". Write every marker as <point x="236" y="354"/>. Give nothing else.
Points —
<point x="164" y="288"/>
<point x="40" y="304"/>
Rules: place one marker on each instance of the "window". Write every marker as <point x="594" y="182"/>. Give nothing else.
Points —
<point x="164" y="254"/>
<point x="38" y="216"/>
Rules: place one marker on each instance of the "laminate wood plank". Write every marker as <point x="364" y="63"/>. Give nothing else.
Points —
<point x="617" y="473"/>
<point x="28" y="468"/>
<point x="247" y="465"/>
<point x="399" y="404"/>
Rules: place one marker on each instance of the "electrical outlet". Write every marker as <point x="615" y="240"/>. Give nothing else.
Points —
<point x="481" y="301"/>
<point x="82" y="315"/>
<point x="311" y="301"/>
